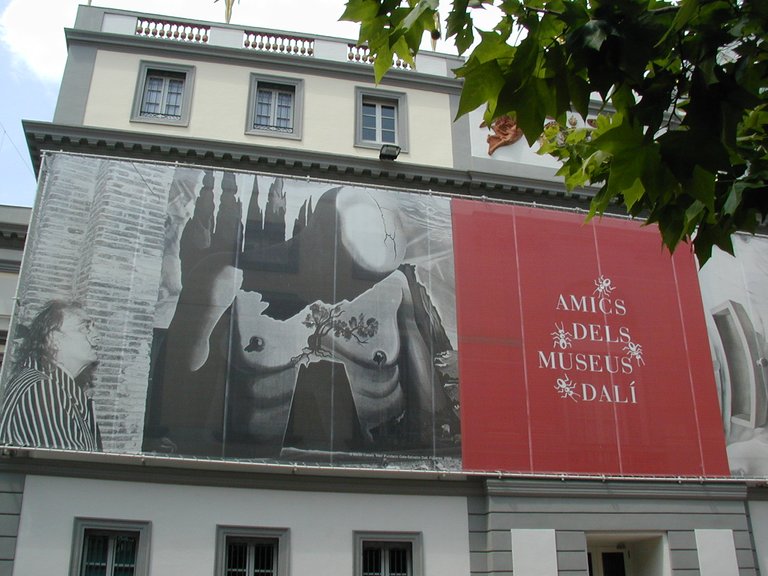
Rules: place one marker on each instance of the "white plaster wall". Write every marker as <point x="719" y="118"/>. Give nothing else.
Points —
<point x="534" y="552"/>
<point x="650" y="557"/>
<point x="220" y="100"/>
<point x="184" y="520"/>
<point x="717" y="552"/>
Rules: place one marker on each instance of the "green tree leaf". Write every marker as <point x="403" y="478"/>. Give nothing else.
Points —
<point x="482" y="84"/>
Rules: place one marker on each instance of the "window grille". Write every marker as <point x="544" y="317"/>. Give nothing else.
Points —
<point x="386" y="559"/>
<point x="245" y="551"/>
<point x="109" y="553"/>
<point x="256" y="557"/>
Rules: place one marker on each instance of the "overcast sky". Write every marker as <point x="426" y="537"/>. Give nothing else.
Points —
<point x="33" y="53"/>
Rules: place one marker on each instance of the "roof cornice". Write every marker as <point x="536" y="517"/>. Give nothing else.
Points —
<point x="265" y="60"/>
<point x="47" y="136"/>
<point x="682" y="489"/>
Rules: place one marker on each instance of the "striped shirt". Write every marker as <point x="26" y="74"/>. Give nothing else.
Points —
<point x="44" y="407"/>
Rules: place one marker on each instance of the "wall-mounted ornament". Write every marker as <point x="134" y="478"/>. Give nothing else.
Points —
<point x="505" y="132"/>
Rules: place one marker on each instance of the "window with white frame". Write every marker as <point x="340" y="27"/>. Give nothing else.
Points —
<point x="163" y="94"/>
<point x="251" y="551"/>
<point x="110" y="548"/>
<point x="381" y="118"/>
<point x="275" y="106"/>
<point x="388" y="554"/>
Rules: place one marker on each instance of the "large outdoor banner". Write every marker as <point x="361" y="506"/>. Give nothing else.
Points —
<point x="583" y="347"/>
<point x="176" y="310"/>
<point x="735" y="293"/>
<point x="182" y="311"/>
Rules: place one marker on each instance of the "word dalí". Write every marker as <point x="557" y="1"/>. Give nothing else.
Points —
<point x="593" y="356"/>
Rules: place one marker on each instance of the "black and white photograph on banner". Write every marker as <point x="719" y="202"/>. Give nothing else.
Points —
<point x="735" y="295"/>
<point x="304" y="321"/>
<point x="48" y="401"/>
<point x="179" y="311"/>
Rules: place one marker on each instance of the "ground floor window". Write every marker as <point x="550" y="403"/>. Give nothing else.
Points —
<point x="243" y="551"/>
<point x="110" y="548"/>
<point x="387" y="554"/>
<point x="251" y="557"/>
<point x="387" y="559"/>
<point x="109" y="553"/>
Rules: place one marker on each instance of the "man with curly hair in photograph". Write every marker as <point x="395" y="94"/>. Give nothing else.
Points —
<point x="46" y="403"/>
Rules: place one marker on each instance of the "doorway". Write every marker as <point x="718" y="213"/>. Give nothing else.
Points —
<point x="627" y="554"/>
<point x="608" y="562"/>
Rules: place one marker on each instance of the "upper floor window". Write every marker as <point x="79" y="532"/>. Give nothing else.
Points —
<point x="379" y="121"/>
<point x="163" y="93"/>
<point x="381" y="118"/>
<point x="275" y="106"/>
<point x="110" y="548"/>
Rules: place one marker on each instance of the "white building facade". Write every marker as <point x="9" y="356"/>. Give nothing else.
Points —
<point x="317" y="354"/>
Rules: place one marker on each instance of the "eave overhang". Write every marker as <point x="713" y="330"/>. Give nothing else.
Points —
<point x="47" y="136"/>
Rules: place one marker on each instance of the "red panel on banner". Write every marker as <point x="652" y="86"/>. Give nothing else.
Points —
<point x="491" y="339"/>
<point x="583" y="348"/>
<point x="700" y="365"/>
